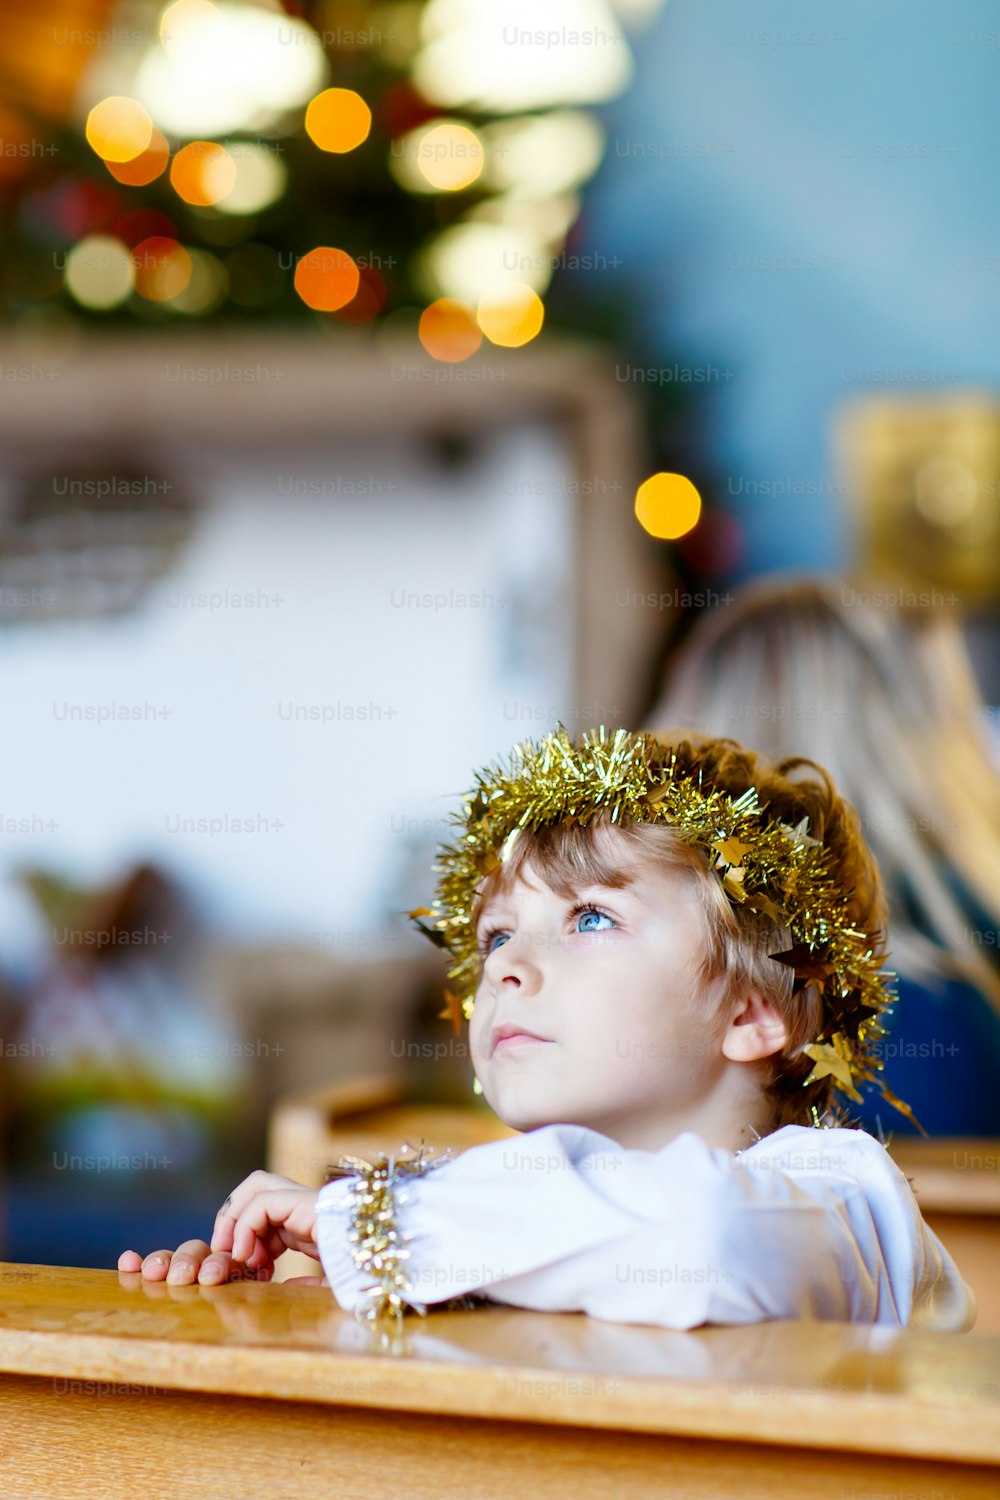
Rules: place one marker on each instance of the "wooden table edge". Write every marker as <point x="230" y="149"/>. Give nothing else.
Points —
<point x="783" y="1417"/>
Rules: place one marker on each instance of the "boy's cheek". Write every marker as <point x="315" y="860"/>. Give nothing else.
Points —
<point x="478" y="1038"/>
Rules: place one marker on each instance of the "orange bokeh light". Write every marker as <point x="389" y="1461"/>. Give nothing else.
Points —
<point x="449" y="331"/>
<point x="326" y="278"/>
<point x="145" y="167"/>
<point x="202" y="173"/>
<point x="667" y="505"/>
<point x="162" y="268"/>
<point x="338" y="120"/>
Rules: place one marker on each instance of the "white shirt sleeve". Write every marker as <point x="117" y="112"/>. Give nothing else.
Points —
<point x="806" y="1223"/>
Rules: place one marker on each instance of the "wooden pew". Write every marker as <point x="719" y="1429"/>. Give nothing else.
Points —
<point x="113" y="1387"/>
<point x="957" y="1184"/>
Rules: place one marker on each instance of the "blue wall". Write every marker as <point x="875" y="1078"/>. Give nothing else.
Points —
<point x="871" y="150"/>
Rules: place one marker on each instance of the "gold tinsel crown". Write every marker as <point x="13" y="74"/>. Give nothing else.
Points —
<point x="764" y="865"/>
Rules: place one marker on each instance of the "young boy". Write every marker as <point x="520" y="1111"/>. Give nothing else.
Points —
<point x="669" y="956"/>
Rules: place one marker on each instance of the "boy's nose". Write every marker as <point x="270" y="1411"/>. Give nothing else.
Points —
<point x="515" y="966"/>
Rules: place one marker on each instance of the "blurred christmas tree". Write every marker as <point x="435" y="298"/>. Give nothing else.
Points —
<point x="340" y="160"/>
<point x="416" y="165"/>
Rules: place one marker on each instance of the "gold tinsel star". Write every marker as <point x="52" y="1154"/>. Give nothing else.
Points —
<point x="453" y="1011"/>
<point x="832" y="1061"/>
<point x="732" y="849"/>
<point x="806" y="964"/>
<point x="761" y="903"/>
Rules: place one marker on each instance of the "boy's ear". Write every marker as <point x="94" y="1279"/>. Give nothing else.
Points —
<point x="757" y="1029"/>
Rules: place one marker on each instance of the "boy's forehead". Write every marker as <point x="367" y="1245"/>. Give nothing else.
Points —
<point x="622" y="862"/>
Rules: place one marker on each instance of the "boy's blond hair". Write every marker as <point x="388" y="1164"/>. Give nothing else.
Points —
<point x="738" y="940"/>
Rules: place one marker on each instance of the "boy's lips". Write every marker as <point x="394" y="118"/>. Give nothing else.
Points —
<point x="511" y="1035"/>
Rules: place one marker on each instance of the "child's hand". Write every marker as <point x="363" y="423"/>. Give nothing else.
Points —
<point x="260" y="1219"/>
<point x="265" y="1216"/>
<point x="192" y="1261"/>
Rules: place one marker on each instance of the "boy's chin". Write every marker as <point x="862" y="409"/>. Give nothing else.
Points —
<point x="523" y="1117"/>
<point x="522" y="1105"/>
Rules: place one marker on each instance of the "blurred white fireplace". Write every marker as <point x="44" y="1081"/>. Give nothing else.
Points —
<point x="391" y="574"/>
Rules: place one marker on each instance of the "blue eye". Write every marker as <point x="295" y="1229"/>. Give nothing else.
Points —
<point x="488" y="946"/>
<point x="584" y="916"/>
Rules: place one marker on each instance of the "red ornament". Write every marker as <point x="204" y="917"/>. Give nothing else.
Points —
<point x="77" y="207"/>
<point x="368" y="300"/>
<point x="716" y="543"/>
<point x="402" y="108"/>
<point x="143" y="223"/>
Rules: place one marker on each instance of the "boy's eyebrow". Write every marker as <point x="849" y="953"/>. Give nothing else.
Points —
<point x="624" y="889"/>
<point x="489" y="906"/>
<point x="618" y="880"/>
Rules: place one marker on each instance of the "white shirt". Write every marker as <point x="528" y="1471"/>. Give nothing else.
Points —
<point x="806" y="1223"/>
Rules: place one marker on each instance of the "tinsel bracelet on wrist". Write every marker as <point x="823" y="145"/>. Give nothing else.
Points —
<point x="377" y="1239"/>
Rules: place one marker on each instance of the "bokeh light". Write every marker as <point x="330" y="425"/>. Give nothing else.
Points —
<point x="543" y="153"/>
<point x="162" y="268"/>
<point x="202" y="173"/>
<point x="99" y="272"/>
<point x="326" y="278"/>
<point x="443" y="157"/>
<point x="338" y="120"/>
<point x="667" y="506"/>
<point x="450" y="157"/>
<point x="223" y="68"/>
<point x="261" y="178"/>
<point x="467" y="63"/>
<point x="546" y="221"/>
<point x="119" y="128"/>
<point x="466" y="259"/>
<point x="207" y="287"/>
<point x="510" y="314"/>
<point x="145" y="167"/>
<point x="187" y="24"/>
<point x="945" y="491"/>
<point x="449" y="331"/>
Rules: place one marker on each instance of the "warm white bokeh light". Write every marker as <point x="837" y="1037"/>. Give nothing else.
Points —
<point x="207" y="288"/>
<point x="543" y="153"/>
<point x="508" y="55"/>
<point x="119" y="128"/>
<point x="467" y="258"/>
<point x="261" y="178"/>
<point x="220" y="68"/>
<point x="443" y="156"/>
<point x="546" y="220"/>
<point x="450" y="157"/>
<point x="99" y="272"/>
